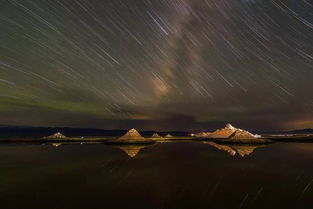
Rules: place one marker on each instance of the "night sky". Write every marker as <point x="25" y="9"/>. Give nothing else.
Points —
<point x="157" y="64"/>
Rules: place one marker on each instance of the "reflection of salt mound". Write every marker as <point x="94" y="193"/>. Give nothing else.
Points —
<point x="241" y="150"/>
<point x="56" y="136"/>
<point x="131" y="150"/>
<point x="168" y="136"/>
<point x="223" y="133"/>
<point x="226" y="148"/>
<point x="245" y="150"/>
<point x="132" y="134"/>
<point x="56" y="144"/>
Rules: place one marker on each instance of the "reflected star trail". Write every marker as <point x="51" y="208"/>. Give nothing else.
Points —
<point x="162" y="65"/>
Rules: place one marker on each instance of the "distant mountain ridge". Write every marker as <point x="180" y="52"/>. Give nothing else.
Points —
<point x="302" y="131"/>
<point x="297" y="131"/>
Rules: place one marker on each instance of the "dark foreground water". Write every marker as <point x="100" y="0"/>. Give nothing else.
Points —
<point x="162" y="176"/>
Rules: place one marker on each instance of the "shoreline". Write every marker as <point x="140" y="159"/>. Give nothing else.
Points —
<point x="113" y="140"/>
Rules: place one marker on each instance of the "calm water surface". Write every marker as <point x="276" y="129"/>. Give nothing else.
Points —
<point x="162" y="176"/>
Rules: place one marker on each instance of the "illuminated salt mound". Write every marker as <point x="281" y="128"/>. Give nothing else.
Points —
<point x="56" y="136"/>
<point x="202" y="134"/>
<point x="232" y="133"/>
<point x="242" y="134"/>
<point x="168" y="136"/>
<point x="223" y="133"/>
<point x="155" y="135"/>
<point x="132" y="134"/>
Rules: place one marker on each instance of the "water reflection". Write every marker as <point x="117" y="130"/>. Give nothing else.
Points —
<point x="245" y="150"/>
<point x="56" y="144"/>
<point x="241" y="150"/>
<point x="167" y="175"/>
<point x="131" y="150"/>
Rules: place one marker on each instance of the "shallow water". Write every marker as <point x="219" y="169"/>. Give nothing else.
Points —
<point x="166" y="175"/>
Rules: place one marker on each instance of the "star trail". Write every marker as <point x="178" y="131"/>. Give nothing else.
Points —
<point x="157" y="64"/>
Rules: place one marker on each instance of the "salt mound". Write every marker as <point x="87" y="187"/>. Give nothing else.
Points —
<point x="155" y="135"/>
<point x="132" y="134"/>
<point x="57" y="135"/>
<point x="223" y="133"/>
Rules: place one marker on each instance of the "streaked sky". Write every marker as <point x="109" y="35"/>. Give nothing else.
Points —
<point x="157" y="64"/>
